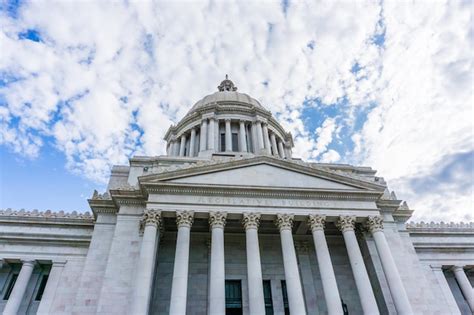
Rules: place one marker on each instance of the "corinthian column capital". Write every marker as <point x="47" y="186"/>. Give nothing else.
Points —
<point x="316" y="221"/>
<point x="346" y="223"/>
<point x="217" y="219"/>
<point x="374" y="223"/>
<point x="151" y="217"/>
<point x="284" y="221"/>
<point x="251" y="220"/>
<point x="184" y="218"/>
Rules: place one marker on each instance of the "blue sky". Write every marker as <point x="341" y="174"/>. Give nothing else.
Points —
<point x="86" y="85"/>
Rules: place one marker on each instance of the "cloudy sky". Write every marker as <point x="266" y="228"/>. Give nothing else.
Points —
<point x="388" y="84"/>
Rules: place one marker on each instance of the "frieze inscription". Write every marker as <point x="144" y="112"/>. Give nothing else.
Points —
<point x="263" y="202"/>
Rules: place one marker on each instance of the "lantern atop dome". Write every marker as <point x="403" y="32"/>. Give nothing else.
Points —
<point x="227" y="85"/>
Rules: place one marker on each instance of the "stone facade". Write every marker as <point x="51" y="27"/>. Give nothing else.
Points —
<point x="230" y="207"/>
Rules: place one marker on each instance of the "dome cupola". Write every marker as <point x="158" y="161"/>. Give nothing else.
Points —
<point x="228" y="123"/>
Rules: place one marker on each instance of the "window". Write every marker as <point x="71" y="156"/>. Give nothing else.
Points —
<point x="235" y="142"/>
<point x="267" y="296"/>
<point x="41" y="288"/>
<point x="285" y="297"/>
<point x="222" y="142"/>
<point x="233" y="297"/>
<point x="10" y="286"/>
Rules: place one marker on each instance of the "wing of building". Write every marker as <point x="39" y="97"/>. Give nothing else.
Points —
<point x="229" y="222"/>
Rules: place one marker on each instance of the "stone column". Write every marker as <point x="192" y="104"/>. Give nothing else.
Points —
<point x="274" y="144"/>
<point x="288" y="152"/>
<point x="399" y="295"/>
<point x="203" y="136"/>
<point x="446" y="290"/>
<point x="346" y="225"/>
<point x="16" y="297"/>
<point x="281" y="151"/>
<point x="328" y="278"/>
<point x="259" y="136"/>
<point x="217" y="283"/>
<point x="211" y="132"/>
<point x="50" y="290"/>
<point x="182" y="145"/>
<point x="171" y="149"/>
<point x="253" y="130"/>
<point x="228" y="136"/>
<point x="465" y="286"/>
<point x="284" y="223"/>
<point x="146" y="262"/>
<point x="176" y="148"/>
<point x="251" y="221"/>
<point x="242" y="137"/>
<point x="192" y="142"/>
<point x="266" y="139"/>
<point x="179" y="287"/>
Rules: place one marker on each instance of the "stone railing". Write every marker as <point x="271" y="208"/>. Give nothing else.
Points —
<point x="440" y="225"/>
<point x="46" y="214"/>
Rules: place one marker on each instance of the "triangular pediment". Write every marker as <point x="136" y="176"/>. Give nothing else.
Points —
<point x="262" y="175"/>
<point x="260" y="172"/>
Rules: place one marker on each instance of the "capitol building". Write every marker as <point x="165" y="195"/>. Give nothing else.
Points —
<point x="230" y="222"/>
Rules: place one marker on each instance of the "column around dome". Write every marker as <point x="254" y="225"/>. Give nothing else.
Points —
<point x="259" y="136"/>
<point x="192" y="142"/>
<point x="242" y="137"/>
<point x="281" y="151"/>
<point x="211" y="134"/>
<point x="266" y="139"/>
<point x="274" y="144"/>
<point x="228" y="135"/>
<point x="203" y="136"/>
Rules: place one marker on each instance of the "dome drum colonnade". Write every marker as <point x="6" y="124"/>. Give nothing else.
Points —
<point x="228" y="122"/>
<point x="284" y="223"/>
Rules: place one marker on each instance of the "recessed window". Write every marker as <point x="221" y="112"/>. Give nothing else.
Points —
<point x="233" y="297"/>
<point x="11" y="284"/>
<point x="285" y="297"/>
<point x="44" y="280"/>
<point x="235" y="142"/>
<point x="267" y="296"/>
<point x="222" y="142"/>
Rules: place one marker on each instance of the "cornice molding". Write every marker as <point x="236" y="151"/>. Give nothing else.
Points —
<point x="265" y="192"/>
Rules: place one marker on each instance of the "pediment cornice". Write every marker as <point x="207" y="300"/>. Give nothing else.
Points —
<point x="258" y="192"/>
<point x="213" y="166"/>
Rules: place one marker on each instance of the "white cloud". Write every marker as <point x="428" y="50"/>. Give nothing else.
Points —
<point x="108" y="79"/>
<point x="330" y="156"/>
<point x="425" y="108"/>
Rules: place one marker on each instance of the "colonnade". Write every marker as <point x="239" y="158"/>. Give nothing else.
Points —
<point x="17" y="294"/>
<point x="253" y="136"/>
<point x="284" y="222"/>
<point x="465" y="285"/>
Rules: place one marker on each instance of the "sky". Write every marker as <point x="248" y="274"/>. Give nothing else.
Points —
<point x="85" y="85"/>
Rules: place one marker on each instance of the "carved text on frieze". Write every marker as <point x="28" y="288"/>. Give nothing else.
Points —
<point x="263" y="202"/>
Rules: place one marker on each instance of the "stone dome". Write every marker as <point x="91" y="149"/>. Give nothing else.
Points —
<point x="228" y="123"/>
<point x="227" y="94"/>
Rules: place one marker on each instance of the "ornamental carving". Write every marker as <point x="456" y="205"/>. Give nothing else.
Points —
<point x="346" y="223"/>
<point x="151" y="217"/>
<point x="284" y="221"/>
<point x="184" y="218"/>
<point x="251" y="220"/>
<point x="374" y="223"/>
<point x="217" y="219"/>
<point x="316" y="221"/>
